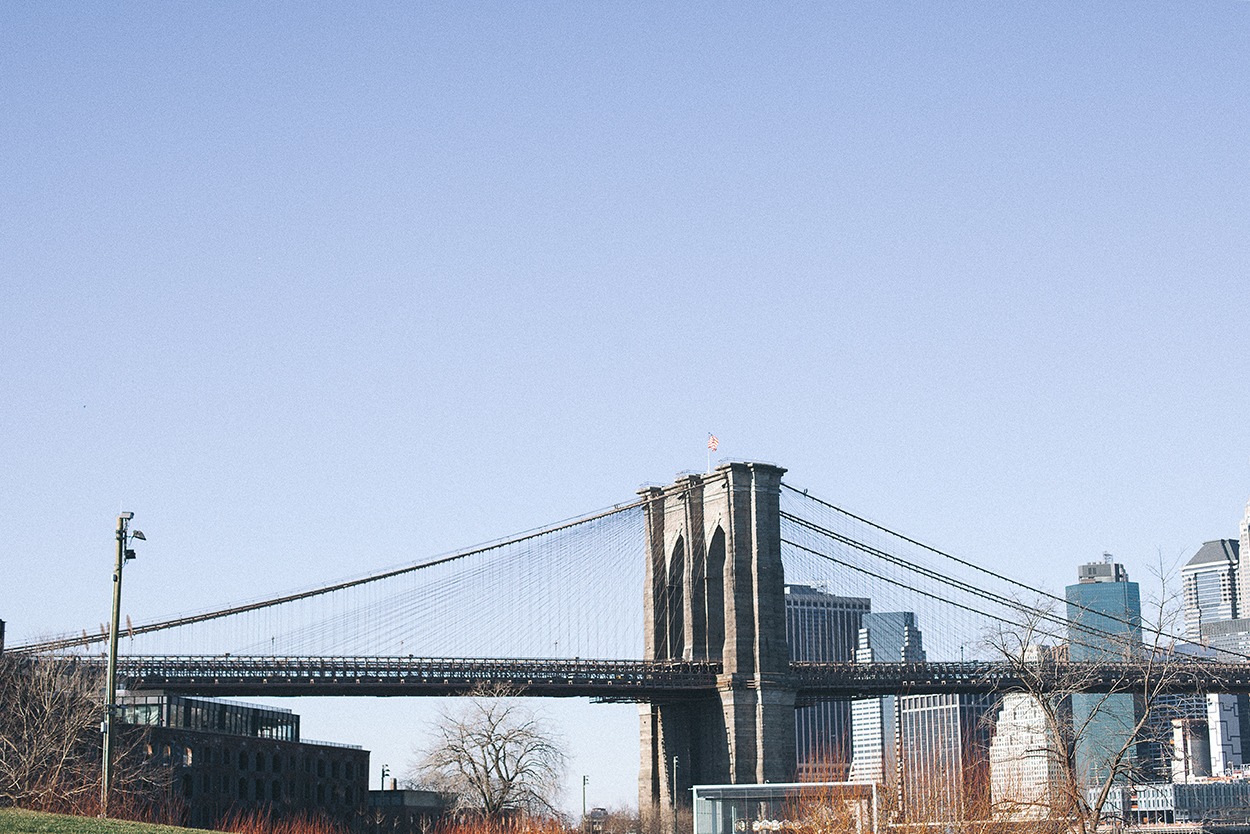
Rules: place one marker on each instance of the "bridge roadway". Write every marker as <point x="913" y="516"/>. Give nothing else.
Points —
<point x="638" y="680"/>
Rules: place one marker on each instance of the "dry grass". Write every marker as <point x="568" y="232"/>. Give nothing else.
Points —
<point x="263" y="822"/>
<point x="522" y="825"/>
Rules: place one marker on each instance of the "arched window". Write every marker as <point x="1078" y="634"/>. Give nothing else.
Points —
<point x="674" y="600"/>
<point x="714" y="589"/>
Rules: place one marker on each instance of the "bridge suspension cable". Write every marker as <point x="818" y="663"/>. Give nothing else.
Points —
<point x="574" y="589"/>
<point x="1031" y="610"/>
<point x="340" y="618"/>
<point x="1058" y="627"/>
<point x="1041" y="614"/>
<point x="1041" y="592"/>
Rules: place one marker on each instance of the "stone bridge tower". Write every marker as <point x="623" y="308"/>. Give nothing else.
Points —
<point x="715" y="591"/>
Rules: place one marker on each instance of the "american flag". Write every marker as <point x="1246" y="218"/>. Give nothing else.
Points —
<point x="712" y="442"/>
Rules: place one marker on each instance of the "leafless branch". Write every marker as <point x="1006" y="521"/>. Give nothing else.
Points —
<point x="495" y="756"/>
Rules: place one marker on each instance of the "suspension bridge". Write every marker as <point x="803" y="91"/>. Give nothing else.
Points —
<point x="675" y="600"/>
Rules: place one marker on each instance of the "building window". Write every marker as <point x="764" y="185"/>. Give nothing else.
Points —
<point x="188" y="758"/>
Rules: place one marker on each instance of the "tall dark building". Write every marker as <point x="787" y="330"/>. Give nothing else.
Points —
<point x="822" y="627"/>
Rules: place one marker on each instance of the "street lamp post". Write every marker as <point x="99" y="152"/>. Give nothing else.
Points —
<point x="585" y="781"/>
<point x="124" y="555"/>
<point x="673" y="797"/>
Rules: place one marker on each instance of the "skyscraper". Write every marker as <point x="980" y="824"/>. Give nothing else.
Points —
<point x="886" y="637"/>
<point x="944" y="744"/>
<point x="1209" y="583"/>
<point x="823" y="627"/>
<point x="1214" y="584"/>
<point x="932" y="746"/>
<point x="1103" y="602"/>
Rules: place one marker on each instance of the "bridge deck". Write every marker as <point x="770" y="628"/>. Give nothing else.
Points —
<point x="386" y="676"/>
<point x="637" y="680"/>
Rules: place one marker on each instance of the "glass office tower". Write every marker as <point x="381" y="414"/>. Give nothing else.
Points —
<point x="1103" y="602"/>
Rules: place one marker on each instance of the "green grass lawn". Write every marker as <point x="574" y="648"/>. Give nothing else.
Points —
<point x="15" y="821"/>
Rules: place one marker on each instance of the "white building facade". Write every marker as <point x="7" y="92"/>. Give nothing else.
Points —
<point x="1025" y="772"/>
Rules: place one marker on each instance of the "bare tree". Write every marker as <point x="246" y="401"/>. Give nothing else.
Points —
<point x="495" y="756"/>
<point x="50" y="712"/>
<point x="1131" y="672"/>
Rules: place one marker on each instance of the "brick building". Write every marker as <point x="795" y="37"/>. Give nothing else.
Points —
<point x="224" y="759"/>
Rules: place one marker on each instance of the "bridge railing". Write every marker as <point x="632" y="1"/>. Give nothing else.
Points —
<point x="858" y="680"/>
<point x="646" y="680"/>
<point x="416" y="675"/>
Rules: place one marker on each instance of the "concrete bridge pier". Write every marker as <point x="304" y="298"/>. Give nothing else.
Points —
<point x="715" y="591"/>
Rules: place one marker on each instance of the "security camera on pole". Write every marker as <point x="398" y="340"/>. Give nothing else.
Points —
<point x="124" y="555"/>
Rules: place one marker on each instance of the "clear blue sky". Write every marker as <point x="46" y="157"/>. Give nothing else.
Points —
<point x="316" y="288"/>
